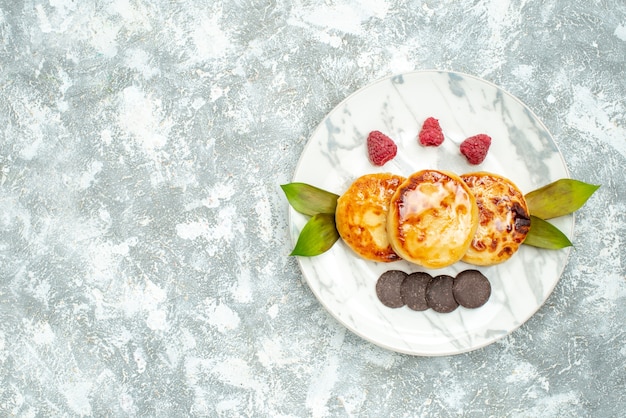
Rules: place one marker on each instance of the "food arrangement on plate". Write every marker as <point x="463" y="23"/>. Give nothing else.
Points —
<point x="431" y="222"/>
<point x="435" y="218"/>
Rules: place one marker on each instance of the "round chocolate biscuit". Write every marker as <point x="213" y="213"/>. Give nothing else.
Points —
<point x="388" y="288"/>
<point x="471" y="289"/>
<point x="439" y="295"/>
<point x="413" y="290"/>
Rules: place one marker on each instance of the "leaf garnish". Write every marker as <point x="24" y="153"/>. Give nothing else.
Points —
<point x="543" y="234"/>
<point x="559" y="198"/>
<point x="310" y="200"/>
<point x="317" y="236"/>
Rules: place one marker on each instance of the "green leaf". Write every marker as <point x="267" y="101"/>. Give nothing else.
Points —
<point x="559" y="198"/>
<point x="310" y="200"/>
<point x="317" y="236"/>
<point x="543" y="234"/>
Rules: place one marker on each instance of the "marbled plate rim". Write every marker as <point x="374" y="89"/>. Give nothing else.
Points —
<point x="567" y="223"/>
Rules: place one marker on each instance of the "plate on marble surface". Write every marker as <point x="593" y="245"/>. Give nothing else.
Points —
<point x="522" y="149"/>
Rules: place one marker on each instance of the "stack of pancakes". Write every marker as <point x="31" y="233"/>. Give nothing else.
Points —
<point x="433" y="218"/>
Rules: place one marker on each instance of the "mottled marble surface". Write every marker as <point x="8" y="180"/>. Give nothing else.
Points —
<point x="144" y="248"/>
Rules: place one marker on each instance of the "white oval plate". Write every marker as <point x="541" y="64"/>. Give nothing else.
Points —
<point x="522" y="150"/>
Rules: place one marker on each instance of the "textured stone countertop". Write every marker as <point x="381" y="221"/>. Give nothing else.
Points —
<point x="144" y="266"/>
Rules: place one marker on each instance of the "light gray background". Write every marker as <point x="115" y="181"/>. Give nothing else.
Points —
<point x="144" y="265"/>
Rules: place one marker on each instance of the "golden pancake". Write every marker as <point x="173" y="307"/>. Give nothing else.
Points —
<point x="432" y="219"/>
<point x="504" y="219"/>
<point x="361" y="216"/>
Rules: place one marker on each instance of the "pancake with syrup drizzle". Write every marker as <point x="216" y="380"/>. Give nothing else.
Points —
<point x="432" y="219"/>
<point x="504" y="220"/>
<point x="361" y="216"/>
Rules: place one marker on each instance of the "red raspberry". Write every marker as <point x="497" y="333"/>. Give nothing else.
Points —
<point x="475" y="148"/>
<point x="380" y="148"/>
<point x="431" y="134"/>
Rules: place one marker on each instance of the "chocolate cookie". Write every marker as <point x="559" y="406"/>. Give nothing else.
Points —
<point x="388" y="288"/>
<point x="413" y="290"/>
<point x="471" y="289"/>
<point x="439" y="295"/>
